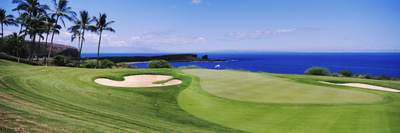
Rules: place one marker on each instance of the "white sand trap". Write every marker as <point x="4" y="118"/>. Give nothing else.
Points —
<point x="365" y="86"/>
<point x="139" y="81"/>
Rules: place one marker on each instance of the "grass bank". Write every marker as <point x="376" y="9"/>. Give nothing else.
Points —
<point x="60" y="99"/>
<point x="235" y="101"/>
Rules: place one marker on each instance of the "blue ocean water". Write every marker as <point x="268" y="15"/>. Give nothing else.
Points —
<point x="293" y="63"/>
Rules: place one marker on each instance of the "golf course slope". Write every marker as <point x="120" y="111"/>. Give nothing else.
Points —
<point x="256" y="103"/>
<point x="62" y="99"/>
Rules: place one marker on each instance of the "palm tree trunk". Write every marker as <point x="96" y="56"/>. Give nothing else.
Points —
<point x="45" y="57"/>
<point x="79" y="41"/>
<point x="2" y="36"/>
<point x="38" y="50"/>
<point x="32" y="46"/>
<point x="19" y="57"/>
<point x="20" y="30"/>
<point x="80" y="50"/>
<point x="98" y="49"/>
<point x="51" y="44"/>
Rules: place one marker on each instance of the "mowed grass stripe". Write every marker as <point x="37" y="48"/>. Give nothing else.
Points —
<point x="310" y="118"/>
<point x="68" y="99"/>
<point x="253" y="87"/>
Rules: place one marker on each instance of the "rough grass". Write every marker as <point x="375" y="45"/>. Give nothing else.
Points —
<point x="68" y="100"/>
<point x="381" y="116"/>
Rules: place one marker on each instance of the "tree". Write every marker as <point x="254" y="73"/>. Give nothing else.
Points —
<point x="159" y="64"/>
<point x="5" y="20"/>
<point x="17" y="43"/>
<point x="35" y="18"/>
<point x="22" y="18"/>
<point x="102" y="24"/>
<point x="34" y="26"/>
<point x="62" y="11"/>
<point x="346" y="73"/>
<point x="30" y="6"/>
<point x="318" y="71"/>
<point x="50" y="27"/>
<point x="82" y="25"/>
<point x="76" y="33"/>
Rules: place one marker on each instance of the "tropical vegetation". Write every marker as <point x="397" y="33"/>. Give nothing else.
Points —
<point x="102" y="25"/>
<point x="322" y="71"/>
<point x="159" y="64"/>
<point x="318" y="71"/>
<point x="5" y="20"/>
<point x="38" y="21"/>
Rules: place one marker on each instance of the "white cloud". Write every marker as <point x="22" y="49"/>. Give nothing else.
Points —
<point x="377" y="48"/>
<point x="196" y="1"/>
<point x="146" y="39"/>
<point x="263" y="33"/>
<point x="91" y="40"/>
<point x="163" y="38"/>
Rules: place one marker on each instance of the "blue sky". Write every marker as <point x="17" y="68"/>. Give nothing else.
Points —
<point x="185" y="26"/>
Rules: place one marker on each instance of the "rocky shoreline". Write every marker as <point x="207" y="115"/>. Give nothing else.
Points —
<point x="170" y="58"/>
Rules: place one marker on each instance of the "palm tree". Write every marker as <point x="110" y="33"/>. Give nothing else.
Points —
<point x="50" y="27"/>
<point x="62" y="11"/>
<point x="30" y="6"/>
<point x="102" y="24"/>
<point x="82" y="24"/>
<point x="76" y="33"/>
<point x="18" y="43"/>
<point x="41" y="37"/>
<point x="35" y="18"/>
<point x="34" y="26"/>
<point x="22" y="18"/>
<point x="5" y="20"/>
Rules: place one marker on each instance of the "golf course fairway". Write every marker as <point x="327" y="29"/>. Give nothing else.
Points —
<point x="64" y="99"/>
<point x="213" y="102"/>
<point x="254" y="87"/>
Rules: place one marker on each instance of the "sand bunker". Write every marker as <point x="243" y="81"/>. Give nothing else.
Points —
<point x="139" y="81"/>
<point x="365" y="86"/>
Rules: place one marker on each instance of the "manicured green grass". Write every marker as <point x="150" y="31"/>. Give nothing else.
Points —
<point x="247" y="86"/>
<point x="60" y="99"/>
<point x="277" y="116"/>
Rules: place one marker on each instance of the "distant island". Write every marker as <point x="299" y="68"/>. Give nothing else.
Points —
<point x="170" y="58"/>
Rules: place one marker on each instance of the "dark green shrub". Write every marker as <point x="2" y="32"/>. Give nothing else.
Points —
<point x="382" y="77"/>
<point x="69" y="60"/>
<point x="59" y="60"/>
<point x="70" y="64"/>
<point x="159" y="64"/>
<point x="123" y="66"/>
<point x="42" y="62"/>
<point x="318" y="71"/>
<point x="337" y="75"/>
<point x="106" y="64"/>
<point x="90" y="64"/>
<point x="13" y="58"/>
<point x="346" y="73"/>
<point x="368" y="76"/>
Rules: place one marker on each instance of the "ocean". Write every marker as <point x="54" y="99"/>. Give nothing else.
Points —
<point x="291" y="63"/>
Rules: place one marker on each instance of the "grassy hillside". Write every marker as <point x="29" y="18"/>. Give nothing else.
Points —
<point x="60" y="99"/>
<point x="298" y="114"/>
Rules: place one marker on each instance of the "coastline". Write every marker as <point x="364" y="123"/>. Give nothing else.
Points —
<point x="136" y="62"/>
